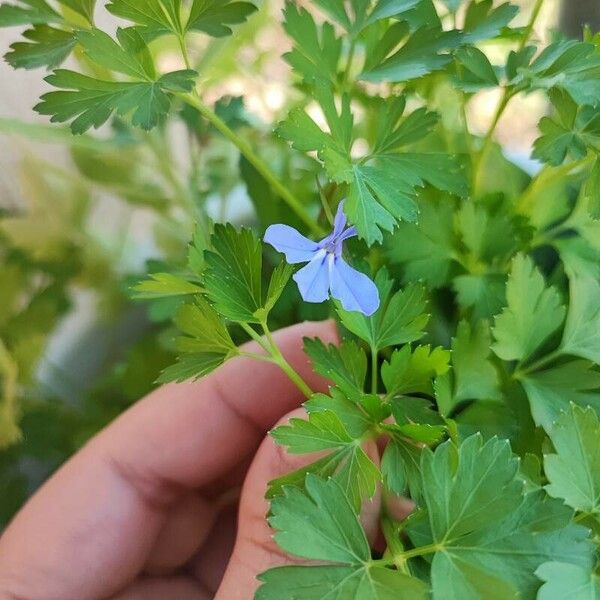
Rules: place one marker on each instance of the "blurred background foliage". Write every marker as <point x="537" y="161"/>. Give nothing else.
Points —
<point x="84" y="218"/>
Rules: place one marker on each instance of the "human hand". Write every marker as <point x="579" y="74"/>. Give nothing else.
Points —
<point x="147" y="509"/>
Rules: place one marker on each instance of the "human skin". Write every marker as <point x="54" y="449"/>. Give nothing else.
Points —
<point x="149" y="509"/>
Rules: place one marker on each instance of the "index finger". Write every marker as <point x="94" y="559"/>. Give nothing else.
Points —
<point x="90" y="528"/>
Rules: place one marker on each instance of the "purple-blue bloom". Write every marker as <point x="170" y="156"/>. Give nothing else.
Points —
<point x="326" y="272"/>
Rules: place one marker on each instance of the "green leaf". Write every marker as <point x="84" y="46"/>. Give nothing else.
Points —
<point x="89" y="102"/>
<point x="567" y="64"/>
<point x="233" y="273"/>
<point x="215" y="17"/>
<point x="320" y="524"/>
<point x="205" y="346"/>
<point x="426" y="249"/>
<point x="574" y="471"/>
<point x="354" y="470"/>
<point x="158" y="17"/>
<point x="162" y="285"/>
<point x="400" y="318"/>
<point x="85" y="8"/>
<point x="563" y="581"/>
<point x="551" y="391"/>
<point x="483" y="21"/>
<point x="473" y="71"/>
<point x="401" y="467"/>
<point x="317" y="50"/>
<point x="363" y="15"/>
<point x="27" y="12"/>
<point x="421" y="54"/>
<point x="416" y="420"/>
<point x="479" y="519"/>
<point x="345" y="365"/>
<point x="322" y="431"/>
<point x="533" y="313"/>
<point x="475" y="376"/>
<point x="483" y="294"/>
<point x="47" y="47"/>
<point x="574" y="130"/>
<point x="410" y="372"/>
<point x="582" y="329"/>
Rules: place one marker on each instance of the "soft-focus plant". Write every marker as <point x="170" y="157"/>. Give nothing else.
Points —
<point x="466" y="289"/>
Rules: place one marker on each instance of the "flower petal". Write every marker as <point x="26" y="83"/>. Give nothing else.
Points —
<point x="353" y="289"/>
<point x="292" y="243"/>
<point x="340" y="221"/>
<point x="313" y="279"/>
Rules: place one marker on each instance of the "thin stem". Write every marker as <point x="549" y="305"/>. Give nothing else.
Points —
<point x="535" y="13"/>
<point x="9" y="432"/>
<point x="258" y="163"/>
<point x="504" y="100"/>
<point x="256" y="337"/>
<point x="284" y="365"/>
<point x="184" y="51"/>
<point x="537" y="365"/>
<point x="349" y="62"/>
<point x="374" y="374"/>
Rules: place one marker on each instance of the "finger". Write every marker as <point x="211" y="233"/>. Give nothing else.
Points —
<point x="161" y="588"/>
<point x="92" y="526"/>
<point x="254" y="550"/>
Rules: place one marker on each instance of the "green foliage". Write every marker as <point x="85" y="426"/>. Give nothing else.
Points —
<point x="474" y="389"/>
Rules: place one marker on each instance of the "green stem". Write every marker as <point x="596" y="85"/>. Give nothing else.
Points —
<point x="9" y="432"/>
<point x="537" y="365"/>
<point x="504" y="100"/>
<point x="283" y="364"/>
<point x="349" y="62"/>
<point x="374" y="374"/>
<point x="257" y="162"/>
<point x="184" y="51"/>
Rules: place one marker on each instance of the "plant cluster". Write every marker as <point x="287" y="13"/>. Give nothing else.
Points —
<point x="467" y="290"/>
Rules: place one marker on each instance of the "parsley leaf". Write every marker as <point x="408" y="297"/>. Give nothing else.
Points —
<point x="354" y="470"/>
<point x="410" y="372"/>
<point x="551" y="391"/>
<point x="478" y="518"/>
<point x="574" y="471"/>
<point x="46" y="47"/>
<point x="564" y="581"/>
<point x="320" y="524"/>
<point x="533" y="313"/>
<point x="582" y="329"/>
<point x="163" y="285"/>
<point x="400" y="318"/>
<point x="345" y="365"/>
<point x="205" y="346"/>
<point x="475" y="376"/>
<point x="483" y="21"/>
<point x="575" y="129"/>
<point x="26" y="12"/>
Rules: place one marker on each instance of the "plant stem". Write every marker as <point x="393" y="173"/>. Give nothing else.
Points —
<point x="184" y="51"/>
<point x="9" y="432"/>
<point x="283" y="364"/>
<point x="504" y="100"/>
<point x="257" y="162"/>
<point x="374" y="374"/>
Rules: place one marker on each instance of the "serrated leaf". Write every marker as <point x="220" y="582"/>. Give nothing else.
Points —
<point x="483" y="21"/>
<point x="409" y="372"/>
<point x="215" y="17"/>
<point x="533" y="313"/>
<point x="473" y="71"/>
<point x="483" y="294"/>
<point x="161" y="285"/>
<point x="475" y="376"/>
<point x="416" y="420"/>
<point x="317" y="50"/>
<point x="582" y="328"/>
<point x="400" y="319"/>
<point x="401" y="467"/>
<point x="354" y="470"/>
<point x="27" y="12"/>
<point x="157" y="16"/>
<point x="425" y="51"/>
<point x="46" y="47"/>
<point x="320" y="524"/>
<point x="563" y="581"/>
<point x="345" y="365"/>
<point x="571" y="133"/>
<point x="574" y="471"/>
<point x="479" y="518"/>
<point x="551" y="391"/>
<point x="426" y="249"/>
<point x="85" y="8"/>
<point x="89" y="102"/>
<point x="233" y="273"/>
<point x="205" y="346"/>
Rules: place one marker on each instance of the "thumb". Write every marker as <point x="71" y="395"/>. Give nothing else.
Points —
<point x="255" y="550"/>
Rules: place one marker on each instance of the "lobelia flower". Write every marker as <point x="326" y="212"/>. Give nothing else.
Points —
<point x="326" y="272"/>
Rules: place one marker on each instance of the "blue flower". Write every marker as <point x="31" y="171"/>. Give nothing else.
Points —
<point x="326" y="272"/>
